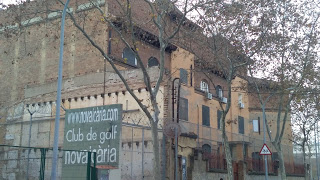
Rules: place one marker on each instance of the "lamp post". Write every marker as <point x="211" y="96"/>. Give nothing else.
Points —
<point x="58" y="104"/>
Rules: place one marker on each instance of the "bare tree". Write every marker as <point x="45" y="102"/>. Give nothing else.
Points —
<point x="157" y="24"/>
<point x="128" y="27"/>
<point x="305" y="115"/>
<point x="279" y="43"/>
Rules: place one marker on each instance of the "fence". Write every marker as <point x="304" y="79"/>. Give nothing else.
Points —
<point x="136" y="155"/>
<point x="243" y="147"/>
<point x="18" y="162"/>
<point x="137" y="152"/>
<point x="136" y="159"/>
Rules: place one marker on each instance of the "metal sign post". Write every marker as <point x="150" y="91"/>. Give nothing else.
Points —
<point x="264" y="141"/>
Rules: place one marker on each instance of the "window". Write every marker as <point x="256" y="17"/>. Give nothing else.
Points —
<point x="257" y="163"/>
<point x="241" y="124"/>
<point x="219" y="113"/>
<point x="109" y="42"/>
<point x="183" y="76"/>
<point x="245" y="150"/>
<point x="205" y="115"/>
<point x="206" y="148"/>
<point x="274" y="156"/>
<point x="219" y="91"/>
<point x="129" y="56"/>
<point x="183" y="109"/>
<point x="191" y="75"/>
<point x="204" y="86"/>
<point x="153" y="62"/>
<point x="240" y="98"/>
<point x="256" y="125"/>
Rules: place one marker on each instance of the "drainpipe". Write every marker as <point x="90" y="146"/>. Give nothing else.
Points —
<point x="176" y="130"/>
<point x="173" y="97"/>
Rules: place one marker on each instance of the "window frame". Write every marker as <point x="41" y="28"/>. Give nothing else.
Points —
<point x="241" y="122"/>
<point x="153" y="58"/>
<point x="135" y="57"/>
<point x="205" y="117"/>
<point x="257" y="129"/>
<point x="204" y="86"/>
<point x="219" y="91"/>
<point x="186" y="108"/>
<point x="183" y="76"/>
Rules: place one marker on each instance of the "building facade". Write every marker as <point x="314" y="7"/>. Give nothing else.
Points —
<point x="29" y="67"/>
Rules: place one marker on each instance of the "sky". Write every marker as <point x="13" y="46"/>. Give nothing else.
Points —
<point x="6" y="2"/>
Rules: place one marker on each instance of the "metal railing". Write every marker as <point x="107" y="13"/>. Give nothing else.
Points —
<point x="251" y="147"/>
<point x="18" y="162"/>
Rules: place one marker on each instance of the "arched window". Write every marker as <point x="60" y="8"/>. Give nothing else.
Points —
<point x="153" y="62"/>
<point x="206" y="148"/>
<point x="219" y="91"/>
<point x="129" y="56"/>
<point x="204" y="86"/>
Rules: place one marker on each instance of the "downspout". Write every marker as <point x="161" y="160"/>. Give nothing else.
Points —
<point x="172" y="89"/>
<point x="176" y="133"/>
<point x="176" y="138"/>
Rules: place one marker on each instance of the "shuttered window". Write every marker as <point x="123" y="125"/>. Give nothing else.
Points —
<point x="183" y="76"/>
<point x="241" y="124"/>
<point x="218" y="118"/>
<point x="205" y="115"/>
<point x="183" y="109"/>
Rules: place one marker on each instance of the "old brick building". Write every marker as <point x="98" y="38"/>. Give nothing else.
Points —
<point x="28" y="75"/>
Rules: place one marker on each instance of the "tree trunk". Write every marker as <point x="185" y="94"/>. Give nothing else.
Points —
<point x="156" y="152"/>
<point x="281" y="161"/>
<point x="228" y="156"/>
<point x="304" y="161"/>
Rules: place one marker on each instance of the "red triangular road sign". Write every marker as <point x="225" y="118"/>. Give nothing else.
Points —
<point x="265" y="150"/>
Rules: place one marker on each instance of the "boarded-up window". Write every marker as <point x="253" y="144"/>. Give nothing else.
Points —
<point x="218" y="118"/>
<point x="241" y="124"/>
<point x="183" y="76"/>
<point x="205" y="115"/>
<point x="183" y="109"/>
